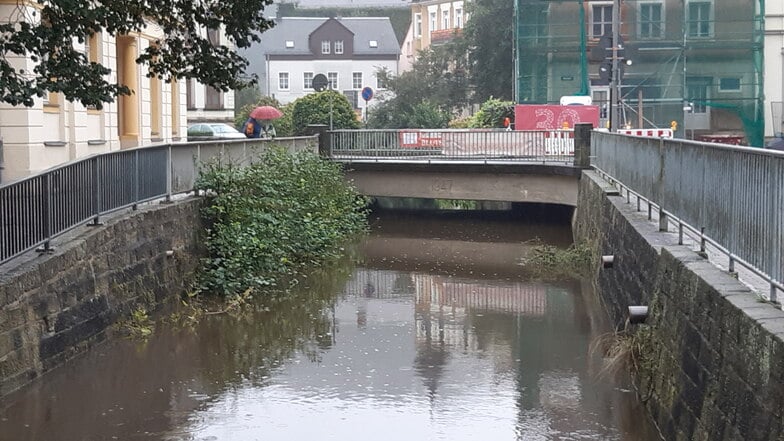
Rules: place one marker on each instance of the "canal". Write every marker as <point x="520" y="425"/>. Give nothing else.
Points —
<point x="437" y="333"/>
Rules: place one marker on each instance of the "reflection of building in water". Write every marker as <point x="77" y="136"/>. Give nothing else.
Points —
<point x="516" y="298"/>
<point x="379" y="284"/>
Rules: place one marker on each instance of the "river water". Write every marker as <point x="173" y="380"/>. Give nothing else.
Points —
<point x="437" y="334"/>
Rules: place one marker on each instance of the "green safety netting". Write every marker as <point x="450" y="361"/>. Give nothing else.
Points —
<point x="696" y="62"/>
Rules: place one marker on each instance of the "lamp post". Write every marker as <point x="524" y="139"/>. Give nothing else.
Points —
<point x="615" y="82"/>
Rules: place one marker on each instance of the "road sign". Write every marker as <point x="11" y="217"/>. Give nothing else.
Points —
<point x="367" y="93"/>
<point x="320" y="82"/>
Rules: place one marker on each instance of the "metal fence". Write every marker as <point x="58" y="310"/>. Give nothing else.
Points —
<point x="455" y="144"/>
<point x="36" y="209"/>
<point x="733" y="197"/>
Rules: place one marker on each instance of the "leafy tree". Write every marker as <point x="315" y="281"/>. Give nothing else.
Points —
<point x="47" y="34"/>
<point x="489" y="34"/>
<point x="314" y="108"/>
<point x="436" y="81"/>
<point x="492" y="114"/>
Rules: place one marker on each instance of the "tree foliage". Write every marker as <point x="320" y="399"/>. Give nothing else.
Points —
<point x="489" y="35"/>
<point x="492" y="113"/>
<point x="45" y="33"/>
<point x="315" y="108"/>
<point x="274" y="218"/>
<point x="435" y="88"/>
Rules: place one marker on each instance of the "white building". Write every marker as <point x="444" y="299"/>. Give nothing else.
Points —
<point x="348" y="51"/>
<point x="204" y="103"/>
<point x="433" y="22"/>
<point x="54" y="130"/>
<point x="774" y="65"/>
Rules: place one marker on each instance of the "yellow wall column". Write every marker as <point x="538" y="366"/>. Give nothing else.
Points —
<point x="128" y="105"/>
<point x="175" y="108"/>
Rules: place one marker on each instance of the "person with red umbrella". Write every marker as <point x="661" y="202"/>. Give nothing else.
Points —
<point x="259" y="123"/>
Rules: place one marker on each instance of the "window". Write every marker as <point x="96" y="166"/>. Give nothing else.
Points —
<point x="650" y="20"/>
<point x="697" y="93"/>
<point x="92" y="47"/>
<point x="459" y="18"/>
<point x="417" y="25"/>
<point x="307" y="80"/>
<point x="445" y="19"/>
<point x="213" y="98"/>
<point x="289" y="44"/>
<point x="432" y="21"/>
<point x="699" y="19"/>
<point x="373" y="43"/>
<point x="213" y="35"/>
<point x="325" y="47"/>
<point x="283" y="81"/>
<point x="729" y="84"/>
<point x="339" y="47"/>
<point x="380" y="84"/>
<point x="333" y="80"/>
<point x="356" y="80"/>
<point x="601" y="20"/>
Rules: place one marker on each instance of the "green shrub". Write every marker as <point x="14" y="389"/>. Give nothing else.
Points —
<point x="492" y="113"/>
<point x="314" y="108"/>
<point x="267" y="221"/>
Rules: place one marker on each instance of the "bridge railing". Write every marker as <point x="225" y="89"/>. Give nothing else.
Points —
<point x="731" y="197"/>
<point x="36" y="209"/>
<point x="452" y="144"/>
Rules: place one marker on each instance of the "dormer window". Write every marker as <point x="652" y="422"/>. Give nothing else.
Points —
<point x="339" y="47"/>
<point x="289" y="44"/>
<point x="373" y="43"/>
<point x="325" y="47"/>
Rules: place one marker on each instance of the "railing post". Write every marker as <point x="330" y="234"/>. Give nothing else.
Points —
<point x="46" y="213"/>
<point x="582" y="145"/>
<point x="324" y="147"/>
<point x="135" y="179"/>
<point x="96" y="192"/>
<point x="169" y="173"/>
<point x="663" y="222"/>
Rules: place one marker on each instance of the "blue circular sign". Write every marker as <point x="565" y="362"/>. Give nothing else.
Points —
<point x="367" y="93"/>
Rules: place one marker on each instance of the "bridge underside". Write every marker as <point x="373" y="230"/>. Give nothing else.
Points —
<point x="538" y="183"/>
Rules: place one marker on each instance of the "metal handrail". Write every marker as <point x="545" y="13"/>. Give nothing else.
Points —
<point x="38" y="208"/>
<point x="730" y="196"/>
<point x="452" y="144"/>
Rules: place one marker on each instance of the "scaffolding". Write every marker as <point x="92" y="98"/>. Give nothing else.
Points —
<point x="698" y="63"/>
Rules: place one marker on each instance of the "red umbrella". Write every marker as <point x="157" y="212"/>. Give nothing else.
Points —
<point x="265" y="113"/>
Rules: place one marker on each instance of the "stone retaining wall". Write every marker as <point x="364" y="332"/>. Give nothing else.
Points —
<point x="712" y="361"/>
<point x="54" y="306"/>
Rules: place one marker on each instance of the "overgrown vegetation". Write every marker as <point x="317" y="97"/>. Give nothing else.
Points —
<point x="623" y="351"/>
<point x="267" y="221"/>
<point x="548" y="260"/>
<point x="138" y="325"/>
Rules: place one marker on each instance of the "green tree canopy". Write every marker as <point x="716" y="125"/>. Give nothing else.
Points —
<point x="489" y="34"/>
<point x="430" y="92"/>
<point x="314" y="108"/>
<point x="46" y="36"/>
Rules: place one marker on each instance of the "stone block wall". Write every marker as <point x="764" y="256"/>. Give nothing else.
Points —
<point x="712" y="359"/>
<point x="54" y="306"/>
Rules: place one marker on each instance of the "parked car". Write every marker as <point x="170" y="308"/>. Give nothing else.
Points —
<point x="213" y="131"/>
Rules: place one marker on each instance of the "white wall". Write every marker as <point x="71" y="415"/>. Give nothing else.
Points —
<point x="774" y="59"/>
<point x="344" y="68"/>
<point x="36" y="138"/>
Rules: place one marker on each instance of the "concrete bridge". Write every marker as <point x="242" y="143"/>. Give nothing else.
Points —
<point x="488" y="165"/>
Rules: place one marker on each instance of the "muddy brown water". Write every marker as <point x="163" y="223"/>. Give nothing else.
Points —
<point x="436" y="334"/>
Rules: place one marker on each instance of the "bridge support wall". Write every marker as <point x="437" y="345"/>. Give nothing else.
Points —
<point x="536" y="184"/>
<point x="53" y="307"/>
<point x="709" y="363"/>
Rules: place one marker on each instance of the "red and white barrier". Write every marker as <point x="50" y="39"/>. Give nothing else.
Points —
<point x="647" y="133"/>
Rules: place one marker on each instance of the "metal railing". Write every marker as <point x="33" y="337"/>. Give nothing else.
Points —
<point x="36" y="209"/>
<point x="731" y="197"/>
<point x="454" y="144"/>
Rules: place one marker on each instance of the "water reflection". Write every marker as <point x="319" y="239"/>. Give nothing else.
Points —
<point x="437" y="335"/>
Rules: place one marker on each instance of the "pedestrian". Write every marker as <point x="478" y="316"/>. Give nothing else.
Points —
<point x="252" y="128"/>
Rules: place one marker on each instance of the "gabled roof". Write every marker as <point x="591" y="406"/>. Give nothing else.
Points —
<point x="298" y="29"/>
